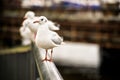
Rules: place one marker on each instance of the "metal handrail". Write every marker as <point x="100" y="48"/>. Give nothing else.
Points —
<point x="47" y="70"/>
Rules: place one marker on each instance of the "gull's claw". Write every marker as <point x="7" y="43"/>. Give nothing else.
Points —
<point x="45" y="59"/>
<point x="51" y="60"/>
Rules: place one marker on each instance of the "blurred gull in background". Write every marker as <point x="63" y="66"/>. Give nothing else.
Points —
<point x="25" y="32"/>
<point x="27" y="35"/>
<point x="28" y="22"/>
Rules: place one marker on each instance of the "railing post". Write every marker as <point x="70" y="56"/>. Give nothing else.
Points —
<point x="47" y="70"/>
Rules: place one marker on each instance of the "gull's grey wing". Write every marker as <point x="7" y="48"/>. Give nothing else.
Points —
<point x="56" y="39"/>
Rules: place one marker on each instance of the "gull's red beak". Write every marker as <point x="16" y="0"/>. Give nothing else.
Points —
<point x="24" y="18"/>
<point x="36" y="22"/>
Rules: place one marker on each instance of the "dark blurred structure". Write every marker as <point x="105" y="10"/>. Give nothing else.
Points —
<point x="18" y="66"/>
<point x="110" y="66"/>
<point x="100" y="25"/>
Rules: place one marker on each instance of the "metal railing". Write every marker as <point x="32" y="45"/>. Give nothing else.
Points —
<point x="47" y="70"/>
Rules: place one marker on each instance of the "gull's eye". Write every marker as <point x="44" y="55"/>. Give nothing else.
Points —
<point x="41" y="19"/>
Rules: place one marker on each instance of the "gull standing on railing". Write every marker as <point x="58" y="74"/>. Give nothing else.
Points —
<point x="45" y="38"/>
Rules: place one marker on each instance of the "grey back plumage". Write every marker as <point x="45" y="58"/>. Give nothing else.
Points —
<point x="57" y="39"/>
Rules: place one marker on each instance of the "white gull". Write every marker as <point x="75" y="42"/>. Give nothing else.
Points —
<point x="25" y="32"/>
<point x="27" y="35"/>
<point x="28" y="22"/>
<point x="45" y="38"/>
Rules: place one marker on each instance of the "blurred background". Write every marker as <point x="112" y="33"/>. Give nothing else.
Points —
<point x="90" y="28"/>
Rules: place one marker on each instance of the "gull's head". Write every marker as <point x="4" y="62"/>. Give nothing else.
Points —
<point x="29" y="14"/>
<point x="41" y="20"/>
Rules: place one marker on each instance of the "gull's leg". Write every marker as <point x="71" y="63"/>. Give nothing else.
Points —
<point x="51" y="56"/>
<point x="45" y="59"/>
<point x="34" y="35"/>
